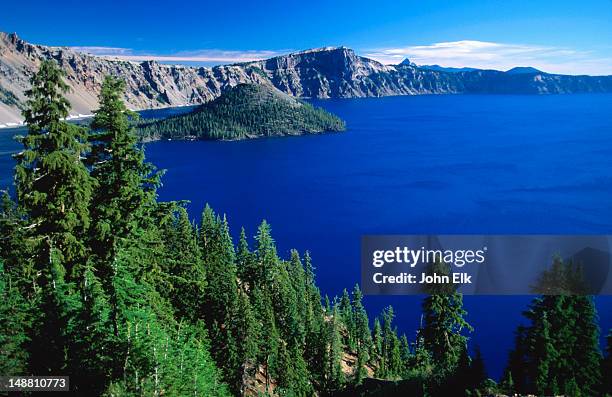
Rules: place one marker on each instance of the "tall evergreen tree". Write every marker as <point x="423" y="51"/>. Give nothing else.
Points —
<point x="184" y="266"/>
<point x="266" y="256"/>
<point x="444" y="324"/>
<point x="221" y="295"/>
<point x="270" y="338"/>
<point x="558" y="351"/>
<point x="362" y="336"/>
<point x="585" y="356"/>
<point x="376" y="351"/>
<point x="303" y="309"/>
<point x="334" y="377"/>
<point x="53" y="191"/>
<point x="244" y="258"/>
<point x="606" y="367"/>
<point x="477" y="370"/>
<point x="391" y="352"/>
<point x="315" y="344"/>
<point x="248" y="333"/>
<point x="53" y="185"/>
<point x="126" y="182"/>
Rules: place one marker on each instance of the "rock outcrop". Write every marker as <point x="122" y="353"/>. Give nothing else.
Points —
<point x="330" y="72"/>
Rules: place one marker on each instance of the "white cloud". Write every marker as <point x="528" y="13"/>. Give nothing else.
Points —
<point x="464" y="53"/>
<point x="499" y="56"/>
<point x="202" y="56"/>
<point x="98" y="50"/>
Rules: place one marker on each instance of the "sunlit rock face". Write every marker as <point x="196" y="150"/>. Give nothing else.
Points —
<point x="330" y="72"/>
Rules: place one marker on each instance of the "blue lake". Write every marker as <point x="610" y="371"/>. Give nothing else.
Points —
<point x="410" y="165"/>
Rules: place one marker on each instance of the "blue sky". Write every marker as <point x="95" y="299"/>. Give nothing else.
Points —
<point x="558" y="36"/>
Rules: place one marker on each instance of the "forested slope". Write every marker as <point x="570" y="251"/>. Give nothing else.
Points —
<point x="245" y="111"/>
<point x="101" y="281"/>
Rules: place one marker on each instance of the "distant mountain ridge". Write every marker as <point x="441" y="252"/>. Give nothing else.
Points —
<point x="439" y="68"/>
<point x="330" y="72"/>
<point x="524" y="70"/>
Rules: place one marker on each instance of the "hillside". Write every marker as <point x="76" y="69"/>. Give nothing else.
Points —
<point x="245" y="111"/>
<point x="330" y="72"/>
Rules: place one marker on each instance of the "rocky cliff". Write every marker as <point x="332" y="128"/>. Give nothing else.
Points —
<point x="149" y="84"/>
<point x="331" y="72"/>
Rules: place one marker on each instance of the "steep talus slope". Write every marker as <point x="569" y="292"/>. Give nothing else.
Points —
<point x="149" y="84"/>
<point x="337" y="72"/>
<point x="331" y="72"/>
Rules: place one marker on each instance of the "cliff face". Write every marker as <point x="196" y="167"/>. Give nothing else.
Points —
<point x="149" y="84"/>
<point x="335" y="72"/>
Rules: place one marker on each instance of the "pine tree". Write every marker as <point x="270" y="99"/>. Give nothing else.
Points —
<point x="53" y="192"/>
<point x="606" y="367"/>
<point x="92" y="349"/>
<point x="545" y="382"/>
<point x="303" y="309"/>
<point x="269" y="346"/>
<point x="126" y="182"/>
<point x="294" y="380"/>
<point x="53" y="186"/>
<point x="13" y="243"/>
<point x="244" y="259"/>
<point x="51" y="339"/>
<point x="558" y="351"/>
<point x="334" y="376"/>
<point x="266" y="257"/>
<point x="517" y="361"/>
<point x="184" y="266"/>
<point x="248" y="333"/>
<point x="478" y="372"/>
<point x="13" y="325"/>
<point x="315" y="343"/>
<point x="507" y="384"/>
<point x="285" y="304"/>
<point x="390" y="345"/>
<point x="221" y="294"/>
<point x="376" y="352"/>
<point x="444" y="324"/>
<point x="585" y="357"/>
<point x="420" y="366"/>
<point x="406" y="355"/>
<point x="362" y="336"/>
<point x="169" y="362"/>
<point x="346" y="315"/>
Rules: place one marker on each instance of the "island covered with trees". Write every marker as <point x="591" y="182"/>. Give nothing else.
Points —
<point x="243" y="112"/>
<point x="101" y="281"/>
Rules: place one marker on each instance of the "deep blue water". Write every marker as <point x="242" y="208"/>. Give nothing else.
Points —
<point x="410" y="165"/>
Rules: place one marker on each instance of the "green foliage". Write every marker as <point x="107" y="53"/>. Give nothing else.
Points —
<point x="444" y="324"/>
<point x="606" y="367"/>
<point x="558" y="352"/>
<point x="85" y="253"/>
<point x="126" y="183"/>
<point x="245" y="111"/>
<point x="130" y="297"/>
<point x="13" y="323"/>
<point x="442" y="331"/>
<point x="166" y="362"/>
<point x="183" y="265"/>
<point x="53" y="185"/>
<point x="334" y="377"/>
<point x="563" y="278"/>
